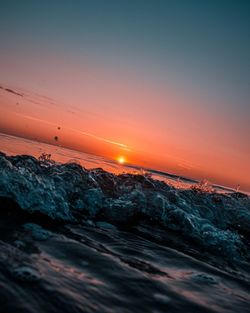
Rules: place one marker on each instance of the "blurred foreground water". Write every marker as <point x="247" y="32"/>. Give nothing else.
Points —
<point x="83" y="239"/>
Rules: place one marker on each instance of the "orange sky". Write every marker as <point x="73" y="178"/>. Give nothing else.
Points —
<point x="179" y="138"/>
<point x="166" y="84"/>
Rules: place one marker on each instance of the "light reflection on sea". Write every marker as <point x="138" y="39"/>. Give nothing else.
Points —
<point x="12" y="145"/>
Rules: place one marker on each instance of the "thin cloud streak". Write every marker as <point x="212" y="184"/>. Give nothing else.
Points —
<point x="121" y="145"/>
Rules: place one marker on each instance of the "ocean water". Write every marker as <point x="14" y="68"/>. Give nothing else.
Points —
<point x="79" y="233"/>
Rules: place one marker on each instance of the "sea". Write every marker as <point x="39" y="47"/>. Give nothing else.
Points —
<point x="81" y="233"/>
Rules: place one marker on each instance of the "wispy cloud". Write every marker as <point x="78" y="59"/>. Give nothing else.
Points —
<point x="121" y="145"/>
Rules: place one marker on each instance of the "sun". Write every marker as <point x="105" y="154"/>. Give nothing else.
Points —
<point x="121" y="160"/>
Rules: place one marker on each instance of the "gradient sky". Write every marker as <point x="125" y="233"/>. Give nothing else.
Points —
<point x="164" y="83"/>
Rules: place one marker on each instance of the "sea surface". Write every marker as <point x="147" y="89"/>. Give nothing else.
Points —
<point x="79" y="233"/>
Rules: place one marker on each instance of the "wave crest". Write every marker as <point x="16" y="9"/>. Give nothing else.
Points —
<point x="71" y="193"/>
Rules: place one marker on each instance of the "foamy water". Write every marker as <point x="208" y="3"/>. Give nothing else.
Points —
<point x="86" y="239"/>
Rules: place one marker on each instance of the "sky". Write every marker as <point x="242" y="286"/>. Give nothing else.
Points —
<point x="163" y="83"/>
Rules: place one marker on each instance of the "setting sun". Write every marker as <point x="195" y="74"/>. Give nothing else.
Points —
<point x="121" y="160"/>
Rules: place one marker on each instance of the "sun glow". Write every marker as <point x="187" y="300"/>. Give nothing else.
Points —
<point x="121" y="160"/>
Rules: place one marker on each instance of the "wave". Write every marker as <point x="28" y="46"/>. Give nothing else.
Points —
<point x="69" y="193"/>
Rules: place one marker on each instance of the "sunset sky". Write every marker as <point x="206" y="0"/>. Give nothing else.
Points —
<point x="165" y="84"/>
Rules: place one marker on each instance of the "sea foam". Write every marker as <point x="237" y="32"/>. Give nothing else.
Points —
<point x="70" y="193"/>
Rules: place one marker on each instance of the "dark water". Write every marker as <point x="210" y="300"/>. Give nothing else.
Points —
<point x="78" y="240"/>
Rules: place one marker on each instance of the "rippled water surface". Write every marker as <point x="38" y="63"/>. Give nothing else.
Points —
<point x="79" y="239"/>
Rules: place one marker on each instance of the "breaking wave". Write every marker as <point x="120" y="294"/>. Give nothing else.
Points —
<point x="211" y="221"/>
